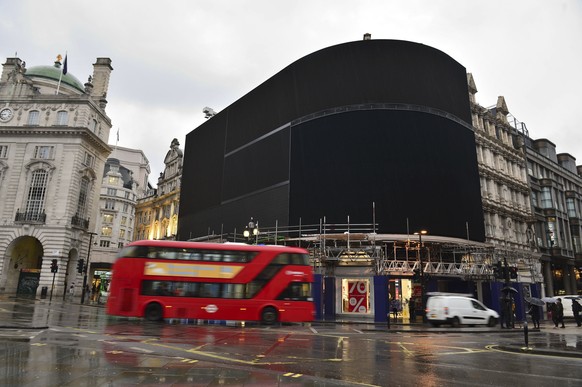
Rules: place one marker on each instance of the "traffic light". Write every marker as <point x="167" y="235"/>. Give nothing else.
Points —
<point x="513" y="272"/>
<point x="416" y="276"/>
<point x="80" y="265"/>
<point x="54" y="266"/>
<point x="498" y="270"/>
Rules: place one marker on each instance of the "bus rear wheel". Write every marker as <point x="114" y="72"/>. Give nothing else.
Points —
<point x="153" y="312"/>
<point x="269" y="315"/>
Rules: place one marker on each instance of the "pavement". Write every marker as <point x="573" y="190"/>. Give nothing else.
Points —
<point x="546" y="340"/>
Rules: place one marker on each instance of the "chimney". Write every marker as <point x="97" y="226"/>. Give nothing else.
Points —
<point x="101" y="72"/>
<point x="367" y="36"/>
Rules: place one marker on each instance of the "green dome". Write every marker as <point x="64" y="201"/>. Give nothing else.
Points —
<point x="54" y="73"/>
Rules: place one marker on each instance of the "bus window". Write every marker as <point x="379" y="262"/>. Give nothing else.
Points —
<point x="297" y="291"/>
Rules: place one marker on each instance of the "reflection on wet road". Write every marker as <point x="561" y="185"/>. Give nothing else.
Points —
<point x="74" y="345"/>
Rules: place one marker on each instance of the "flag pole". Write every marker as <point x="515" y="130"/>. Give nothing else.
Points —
<point x="63" y="71"/>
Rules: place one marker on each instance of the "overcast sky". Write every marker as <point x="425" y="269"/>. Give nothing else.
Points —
<point x="172" y="58"/>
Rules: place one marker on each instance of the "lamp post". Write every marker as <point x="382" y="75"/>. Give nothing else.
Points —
<point x="87" y="267"/>
<point x="422" y="282"/>
<point x="252" y="230"/>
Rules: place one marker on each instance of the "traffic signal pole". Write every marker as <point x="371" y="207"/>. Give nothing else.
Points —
<point x="87" y="267"/>
<point x="54" y="270"/>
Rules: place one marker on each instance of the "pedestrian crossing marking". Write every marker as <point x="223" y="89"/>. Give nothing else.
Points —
<point x="189" y="361"/>
<point x="292" y="375"/>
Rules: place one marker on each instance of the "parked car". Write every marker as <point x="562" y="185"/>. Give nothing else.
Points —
<point x="456" y="310"/>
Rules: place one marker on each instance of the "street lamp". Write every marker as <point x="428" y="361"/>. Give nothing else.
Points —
<point x="87" y="267"/>
<point x="252" y="230"/>
<point x="422" y="282"/>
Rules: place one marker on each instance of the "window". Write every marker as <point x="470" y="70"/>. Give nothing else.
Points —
<point x="89" y="160"/>
<point x="109" y="204"/>
<point x="103" y="243"/>
<point x="83" y="193"/>
<point x="546" y="197"/>
<point x="113" y="180"/>
<point x="107" y="218"/>
<point x="111" y="192"/>
<point x="37" y="192"/>
<point x="122" y="233"/>
<point x="106" y="231"/>
<point x="123" y="220"/>
<point x="125" y="207"/>
<point x="571" y="207"/>
<point x="33" y="117"/>
<point x="3" y="151"/>
<point x="92" y="125"/>
<point x="62" y="118"/>
<point x="44" y="152"/>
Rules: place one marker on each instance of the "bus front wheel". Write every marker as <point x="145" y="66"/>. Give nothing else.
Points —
<point x="153" y="312"/>
<point x="269" y="315"/>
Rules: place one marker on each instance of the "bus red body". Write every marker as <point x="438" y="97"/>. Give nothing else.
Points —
<point x="210" y="281"/>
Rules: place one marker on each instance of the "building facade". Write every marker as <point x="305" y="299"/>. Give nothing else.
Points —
<point x="124" y="182"/>
<point x="53" y="147"/>
<point x="359" y="152"/>
<point x="157" y="212"/>
<point x="556" y="192"/>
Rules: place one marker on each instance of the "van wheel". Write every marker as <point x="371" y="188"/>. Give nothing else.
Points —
<point x="153" y="312"/>
<point x="492" y="322"/>
<point x="456" y="323"/>
<point x="269" y="315"/>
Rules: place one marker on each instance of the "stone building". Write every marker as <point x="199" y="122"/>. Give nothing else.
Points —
<point x="157" y="213"/>
<point x="556" y="196"/>
<point x="53" y="147"/>
<point x="124" y="182"/>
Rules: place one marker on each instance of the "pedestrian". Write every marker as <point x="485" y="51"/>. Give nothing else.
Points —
<point x="559" y="312"/>
<point x="534" y="312"/>
<point x="71" y="291"/>
<point x="576" y="309"/>
<point x="411" y="309"/>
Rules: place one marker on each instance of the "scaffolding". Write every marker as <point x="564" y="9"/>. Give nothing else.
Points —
<point x="337" y="245"/>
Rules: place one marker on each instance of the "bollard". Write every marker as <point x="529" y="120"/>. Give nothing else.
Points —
<point x="388" y="320"/>
<point x="525" y="331"/>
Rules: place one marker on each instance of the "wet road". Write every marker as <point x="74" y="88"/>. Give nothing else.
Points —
<point x="63" y="344"/>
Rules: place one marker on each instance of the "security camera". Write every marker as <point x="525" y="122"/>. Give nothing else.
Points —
<point x="208" y="112"/>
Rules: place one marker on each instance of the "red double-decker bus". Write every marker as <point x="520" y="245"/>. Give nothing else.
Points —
<point x="211" y="281"/>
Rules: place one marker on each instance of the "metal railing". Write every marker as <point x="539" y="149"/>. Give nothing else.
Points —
<point x="30" y="216"/>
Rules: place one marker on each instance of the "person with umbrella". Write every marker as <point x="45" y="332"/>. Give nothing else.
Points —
<point x="534" y="310"/>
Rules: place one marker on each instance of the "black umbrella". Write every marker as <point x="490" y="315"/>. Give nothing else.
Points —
<point x="573" y="297"/>
<point x="535" y="301"/>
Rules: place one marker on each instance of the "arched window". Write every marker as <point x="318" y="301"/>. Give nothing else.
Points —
<point x="33" y="117"/>
<point x="62" y="118"/>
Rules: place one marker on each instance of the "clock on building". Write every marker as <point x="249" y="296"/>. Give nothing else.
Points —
<point x="6" y="114"/>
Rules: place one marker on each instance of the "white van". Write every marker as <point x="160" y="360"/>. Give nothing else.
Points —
<point x="458" y="309"/>
<point x="567" y="303"/>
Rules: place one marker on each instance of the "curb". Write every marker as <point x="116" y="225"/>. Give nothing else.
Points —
<point x="539" y="351"/>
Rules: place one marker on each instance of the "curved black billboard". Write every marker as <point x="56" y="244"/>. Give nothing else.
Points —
<point x="377" y="121"/>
